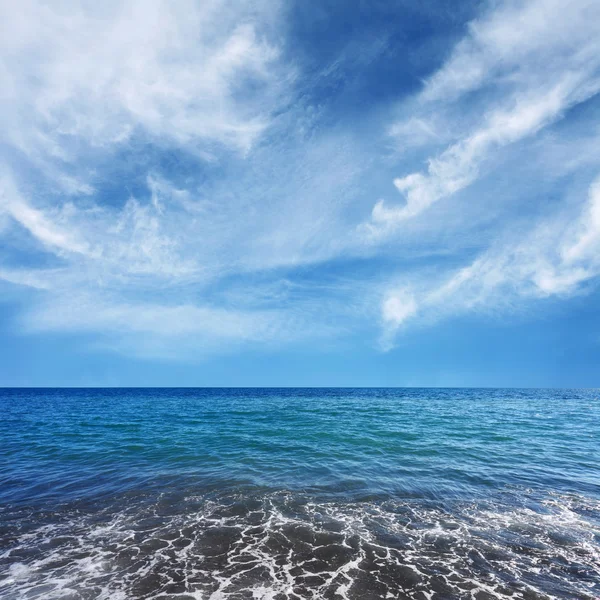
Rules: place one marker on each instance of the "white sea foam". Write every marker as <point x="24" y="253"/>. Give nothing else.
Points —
<point x="279" y="547"/>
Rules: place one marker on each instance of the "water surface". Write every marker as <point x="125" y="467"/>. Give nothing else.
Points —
<point x="299" y="493"/>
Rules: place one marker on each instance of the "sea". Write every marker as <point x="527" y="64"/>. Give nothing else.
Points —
<point x="280" y="494"/>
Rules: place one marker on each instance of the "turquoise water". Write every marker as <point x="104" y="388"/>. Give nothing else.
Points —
<point x="299" y="493"/>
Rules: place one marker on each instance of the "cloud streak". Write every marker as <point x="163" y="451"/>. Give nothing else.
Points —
<point x="528" y="70"/>
<point x="555" y="259"/>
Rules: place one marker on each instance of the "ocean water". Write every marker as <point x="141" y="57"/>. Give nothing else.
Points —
<point x="299" y="493"/>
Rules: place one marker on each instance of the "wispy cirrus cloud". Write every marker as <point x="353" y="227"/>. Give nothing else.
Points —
<point x="556" y="258"/>
<point x="82" y="74"/>
<point x="151" y="328"/>
<point x="519" y="69"/>
<point x="50" y="230"/>
<point x="85" y="84"/>
<point x="517" y="73"/>
<point x="175" y="183"/>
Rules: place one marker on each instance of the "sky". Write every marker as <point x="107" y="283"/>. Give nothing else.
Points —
<point x="266" y="193"/>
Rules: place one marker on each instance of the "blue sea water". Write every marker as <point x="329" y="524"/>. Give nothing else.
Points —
<point x="299" y="493"/>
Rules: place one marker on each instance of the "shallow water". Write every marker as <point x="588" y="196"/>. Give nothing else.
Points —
<point x="315" y="493"/>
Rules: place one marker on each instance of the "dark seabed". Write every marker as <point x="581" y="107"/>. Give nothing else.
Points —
<point x="299" y="493"/>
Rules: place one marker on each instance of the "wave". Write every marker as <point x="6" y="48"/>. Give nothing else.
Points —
<point x="280" y="546"/>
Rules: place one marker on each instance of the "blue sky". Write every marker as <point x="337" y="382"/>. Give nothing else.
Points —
<point x="295" y="193"/>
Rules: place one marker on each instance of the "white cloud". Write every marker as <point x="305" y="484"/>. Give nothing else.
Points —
<point x="584" y="243"/>
<point x="85" y="312"/>
<point x="151" y="270"/>
<point x="28" y="278"/>
<point x="177" y="201"/>
<point x="202" y="79"/>
<point x="111" y="243"/>
<point x="44" y="228"/>
<point x="536" y="65"/>
<point x="80" y="74"/>
<point x="398" y="306"/>
<point x="153" y="327"/>
<point x="518" y="43"/>
<point x="556" y="258"/>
